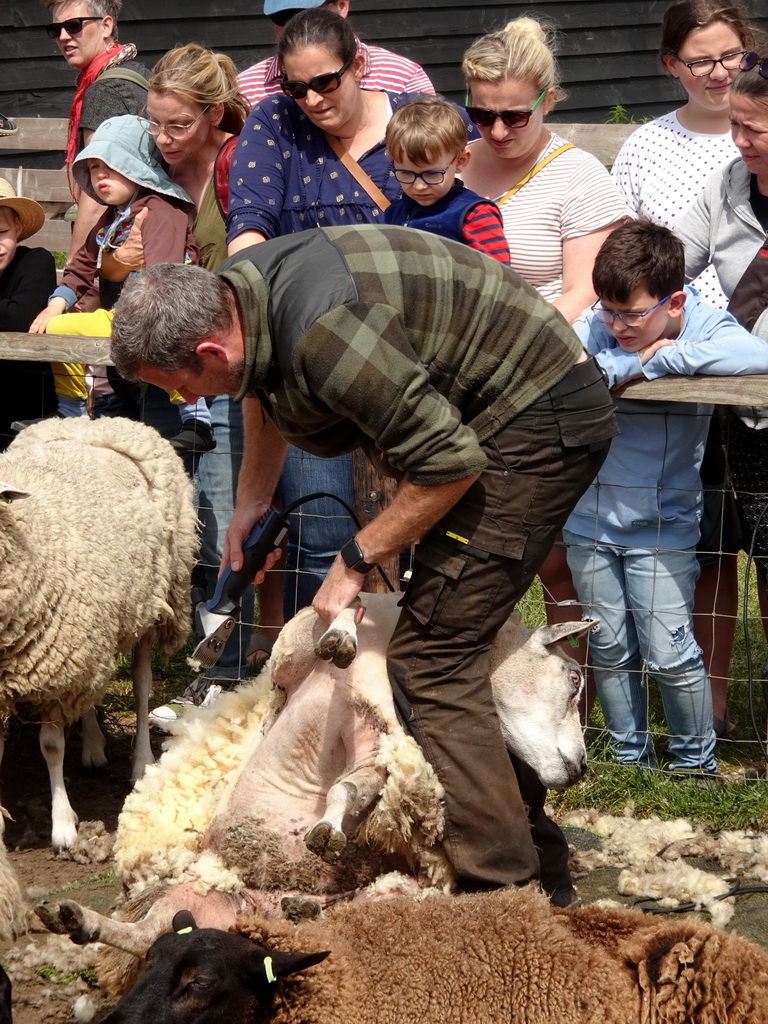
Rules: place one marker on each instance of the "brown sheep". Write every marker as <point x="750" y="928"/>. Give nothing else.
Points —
<point x="505" y="956"/>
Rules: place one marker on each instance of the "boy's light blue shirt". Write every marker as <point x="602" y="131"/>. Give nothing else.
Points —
<point x="648" y="491"/>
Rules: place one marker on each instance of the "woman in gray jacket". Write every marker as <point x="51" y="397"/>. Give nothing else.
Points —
<point x="727" y="227"/>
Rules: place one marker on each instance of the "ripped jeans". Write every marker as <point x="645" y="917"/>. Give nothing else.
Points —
<point x="643" y="598"/>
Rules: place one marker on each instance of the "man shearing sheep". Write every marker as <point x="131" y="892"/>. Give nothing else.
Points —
<point x="458" y="379"/>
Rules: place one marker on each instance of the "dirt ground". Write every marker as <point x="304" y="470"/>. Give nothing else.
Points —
<point x="53" y="982"/>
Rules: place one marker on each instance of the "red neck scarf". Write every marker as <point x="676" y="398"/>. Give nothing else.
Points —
<point x="115" y="54"/>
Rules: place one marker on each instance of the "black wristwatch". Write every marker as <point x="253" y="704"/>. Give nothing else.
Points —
<point x="353" y="557"/>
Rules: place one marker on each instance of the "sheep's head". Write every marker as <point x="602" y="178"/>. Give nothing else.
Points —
<point x="206" y="975"/>
<point x="537" y="687"/>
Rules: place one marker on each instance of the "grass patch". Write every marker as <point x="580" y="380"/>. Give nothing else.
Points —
<point x="106" y="878"/>
<point x="742" y="801"/>
<point x="62" y="977"/>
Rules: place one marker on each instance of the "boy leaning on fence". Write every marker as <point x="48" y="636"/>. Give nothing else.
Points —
<point x="631" y="539"/>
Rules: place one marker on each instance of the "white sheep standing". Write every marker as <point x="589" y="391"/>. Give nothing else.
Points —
<point x="94" y="561"/>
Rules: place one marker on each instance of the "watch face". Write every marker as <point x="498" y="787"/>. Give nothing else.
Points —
<point x="353" y="557"/>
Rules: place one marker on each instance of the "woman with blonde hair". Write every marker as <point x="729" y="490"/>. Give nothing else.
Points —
<point x="194" y="107"/>
<point x="195" y="111"/>
<point x="558" y="202"/>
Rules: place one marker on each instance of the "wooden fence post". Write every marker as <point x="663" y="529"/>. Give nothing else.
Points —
<point x="372" y="493"/>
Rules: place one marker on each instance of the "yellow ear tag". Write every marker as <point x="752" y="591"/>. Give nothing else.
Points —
<point x="184" y="931"/>
<point x="268" y="969"/>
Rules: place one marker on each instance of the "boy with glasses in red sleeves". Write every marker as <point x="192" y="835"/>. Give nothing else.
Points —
<point x="427" y="141"/>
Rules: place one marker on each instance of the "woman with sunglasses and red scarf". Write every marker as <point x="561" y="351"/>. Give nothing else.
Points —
<point x="558" y="202"/>
<point x="86" y="34"/>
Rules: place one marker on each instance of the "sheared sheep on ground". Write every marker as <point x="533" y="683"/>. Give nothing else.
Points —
<point x="503" y="956"/>
<point x="97" y="540"/>
<point x="225" y="820"/>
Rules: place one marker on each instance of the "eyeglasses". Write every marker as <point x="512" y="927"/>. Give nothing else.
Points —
<point x="629" y="319"/>
<point x="751" y="60"/>
<point x="705" y="66"/>
<point x="72" y="26"/>
<point x="173" y="131"/>
<point x="484" y="118"/>
<point x="320" y="83"/>
<point x="428" y="177"/>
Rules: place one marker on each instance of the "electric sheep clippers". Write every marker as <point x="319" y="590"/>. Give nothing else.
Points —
<point x="217" y="617"/>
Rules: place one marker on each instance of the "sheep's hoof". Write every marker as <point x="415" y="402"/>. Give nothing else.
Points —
<point x="67" y="918"/>
<point x="337" y="646"/>
<point x="326" y="841"/>
<point x="298" y="908"/>
<point x="49" y="915"/>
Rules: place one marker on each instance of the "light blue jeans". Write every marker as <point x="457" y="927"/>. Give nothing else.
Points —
<point x="643" y="598"/>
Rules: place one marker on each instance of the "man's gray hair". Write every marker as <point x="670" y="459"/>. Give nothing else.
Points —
<point x="96" y="8"/>
<point x="162" y="315"/>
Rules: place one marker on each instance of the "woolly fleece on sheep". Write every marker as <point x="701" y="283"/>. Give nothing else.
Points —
<point x="90" y="562"/>
<point x="508" y="956"/>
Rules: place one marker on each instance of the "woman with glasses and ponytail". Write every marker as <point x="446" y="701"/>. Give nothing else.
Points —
<point x="558" y="202"/>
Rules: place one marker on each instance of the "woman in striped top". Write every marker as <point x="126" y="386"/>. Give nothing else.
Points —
<point x="558" y="202"/>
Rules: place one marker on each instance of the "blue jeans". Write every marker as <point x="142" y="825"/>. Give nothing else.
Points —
<point x="318" y="529"/>
<point x="217" y="487"/>
<point x="644" y="600"/>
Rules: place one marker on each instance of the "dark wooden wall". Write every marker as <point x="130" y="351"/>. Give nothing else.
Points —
<point x="607" y="47"/>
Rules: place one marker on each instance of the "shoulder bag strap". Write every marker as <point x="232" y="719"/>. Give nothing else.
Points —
<point x="221" y="167"/>
<point x="533" y="171"/>
<point x="357" y="172"/>
<point x="127" y="74"/>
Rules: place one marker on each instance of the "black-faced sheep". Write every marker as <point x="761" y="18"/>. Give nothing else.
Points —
<point x="313" y="755"/>
<point x="505" y="956"/>
<point x="94" y="561"/>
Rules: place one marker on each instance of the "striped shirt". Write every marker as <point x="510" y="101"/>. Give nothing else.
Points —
<point x="384" y="71"/>
<point x="413" y="347"/>
<point x="570" y="197"/>
<point x="484" y="230"/>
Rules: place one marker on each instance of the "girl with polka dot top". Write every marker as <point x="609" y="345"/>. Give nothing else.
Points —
<point x="664" y="165"/>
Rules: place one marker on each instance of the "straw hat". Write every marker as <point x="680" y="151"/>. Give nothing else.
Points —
<point x="31" y="214"/>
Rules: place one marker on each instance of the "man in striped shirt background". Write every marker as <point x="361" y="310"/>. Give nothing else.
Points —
<point x="383" y="68"/>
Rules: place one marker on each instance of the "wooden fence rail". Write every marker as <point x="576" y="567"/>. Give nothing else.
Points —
<point x="746" y="390"/>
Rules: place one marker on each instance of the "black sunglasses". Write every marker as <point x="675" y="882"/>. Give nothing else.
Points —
<point x="320" y="83"/>
<point x="752" y="60"/>
<point x="485" y="118"/>
<point x="72" y="26"/>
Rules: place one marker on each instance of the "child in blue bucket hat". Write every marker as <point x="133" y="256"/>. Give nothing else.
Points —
<point x="120" y="168"/>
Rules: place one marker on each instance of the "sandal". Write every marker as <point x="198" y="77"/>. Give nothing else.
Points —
<point x="7" y="127"/>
